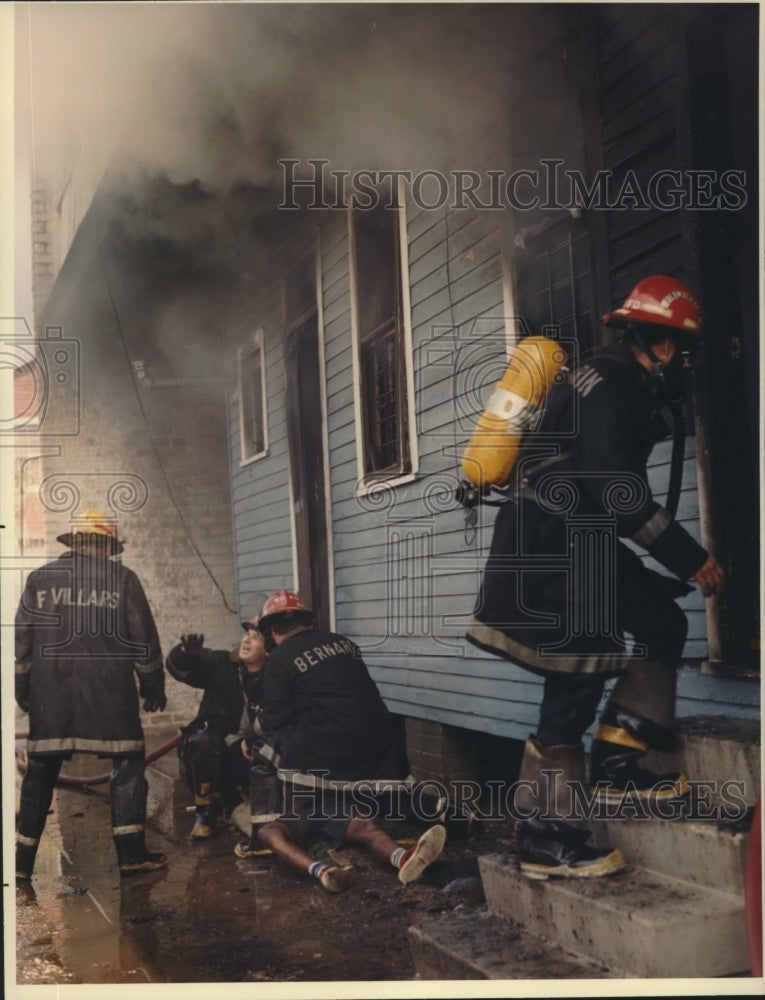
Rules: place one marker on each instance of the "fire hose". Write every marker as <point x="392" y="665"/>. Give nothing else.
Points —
<point x="100" y="779"/>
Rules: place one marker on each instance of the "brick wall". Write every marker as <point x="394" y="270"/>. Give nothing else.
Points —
<point x="154" y="458"/>
<point x="441" y="753"/>
<point x="44" y="260"/>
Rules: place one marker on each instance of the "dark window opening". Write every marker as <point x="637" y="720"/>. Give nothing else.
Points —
<point x="556" y="282"/>
<point x="384" y="402"/>
<point x="252" y="402"/>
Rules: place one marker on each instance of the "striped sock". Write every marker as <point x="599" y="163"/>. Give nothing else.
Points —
<point x="395" y="858"/>
<point x="317" y="869"/>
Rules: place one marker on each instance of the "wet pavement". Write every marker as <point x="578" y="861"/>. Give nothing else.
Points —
<point x="210" y="917"/>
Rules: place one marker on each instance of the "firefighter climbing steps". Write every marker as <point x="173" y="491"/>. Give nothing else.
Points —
<point x="678" y="910"/>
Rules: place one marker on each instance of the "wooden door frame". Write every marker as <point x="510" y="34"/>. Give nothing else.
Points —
<point x="307" y="445"/>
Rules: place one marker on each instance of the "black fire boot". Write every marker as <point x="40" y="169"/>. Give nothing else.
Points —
<point x="615" y="775"/>
<point x="551" y="787"/>
<point x="266" y="805"/>
<point x="619" y="741"/>
<point x="266" y="794"/>
<point x="25" y="862"/>
<point x="206" y="822"/>
<point x="134" y="857"/>
<point x="550" y="847"/>
<point x="35" y="801"/>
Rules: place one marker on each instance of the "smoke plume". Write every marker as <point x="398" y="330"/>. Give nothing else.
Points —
<point x="218" y="92"/>
<point x="188" y="108"/>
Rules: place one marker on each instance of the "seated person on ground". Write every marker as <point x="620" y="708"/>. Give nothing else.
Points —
<point x="328" y="731"/>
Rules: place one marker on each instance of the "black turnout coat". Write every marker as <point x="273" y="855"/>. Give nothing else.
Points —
<point x="322" y="713"/>
<point x="231" y="693"/>
<point x="84" y="628"/>
<point x="558" y="578"/>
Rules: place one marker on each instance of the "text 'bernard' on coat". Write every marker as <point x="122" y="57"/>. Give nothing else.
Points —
<point x="83" y="629"/>
<point x="558" y="580"/>
<point x="231" y="695"/>
<point x="323" y="714"/>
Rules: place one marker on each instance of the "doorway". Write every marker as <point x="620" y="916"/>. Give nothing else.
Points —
<point x="306" y="438"/>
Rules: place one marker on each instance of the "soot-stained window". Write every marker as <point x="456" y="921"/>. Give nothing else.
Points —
<point x="252" y="400"/>
<point x="381" y="346"/>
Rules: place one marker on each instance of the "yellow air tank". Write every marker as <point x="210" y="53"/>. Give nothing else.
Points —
<point x="512" y="409"/>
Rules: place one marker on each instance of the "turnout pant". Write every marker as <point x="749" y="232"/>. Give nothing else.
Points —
<point x="128" y="802"/>
<point x="266" y="792"/>
<point x="639" y="713"/>
<point x="216" y="774"/>
<point x="645" y="689"/>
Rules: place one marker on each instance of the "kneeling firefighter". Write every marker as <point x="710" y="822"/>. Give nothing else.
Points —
<point x="323" y="720"/>
<point x="214" y="758"/>
<point x="561" y="589"/>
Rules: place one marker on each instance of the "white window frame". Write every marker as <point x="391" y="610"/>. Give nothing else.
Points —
<point x="368" y="482"/>
<point x="244" y="354"/>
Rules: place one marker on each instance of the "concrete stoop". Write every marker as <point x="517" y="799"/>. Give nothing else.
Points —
<point x="723" y="755"/>
<point x="643" y="924"/>
<point x="482" y="946"/>
<point x="700" y="853"/>
<point x="634" y="924"/>
<point x="676" y="911"/>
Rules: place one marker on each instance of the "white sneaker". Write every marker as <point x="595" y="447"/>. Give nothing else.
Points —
<point x="338" y="879"/>
<point x="424" y="852"/>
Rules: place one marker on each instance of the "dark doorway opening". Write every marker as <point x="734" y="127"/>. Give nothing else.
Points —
<point x="305" y="432"/>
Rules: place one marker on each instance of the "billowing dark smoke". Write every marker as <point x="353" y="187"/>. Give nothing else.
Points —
<point x="218" y="93"/>
<point x="191" y="106"/>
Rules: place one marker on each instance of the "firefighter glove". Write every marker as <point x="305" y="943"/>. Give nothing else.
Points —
<point x="192" y="641"/>
<point x="152" y="689"/>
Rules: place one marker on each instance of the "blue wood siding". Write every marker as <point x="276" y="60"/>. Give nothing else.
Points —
<point x="260" y="489"/>
<point x="421" y="661"/>
<point x="405" y="580"/>
<point x="406" y="569"/>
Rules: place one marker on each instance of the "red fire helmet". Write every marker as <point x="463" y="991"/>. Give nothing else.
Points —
<point x="659" y="301"/>
<point x="283" y="602"/>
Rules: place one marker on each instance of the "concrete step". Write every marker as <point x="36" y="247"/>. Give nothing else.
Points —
<point x="481" y="946"/>
<point x="641" y="923"/>
<point x="702" y="853"/>
<point x="722" y="753"/>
